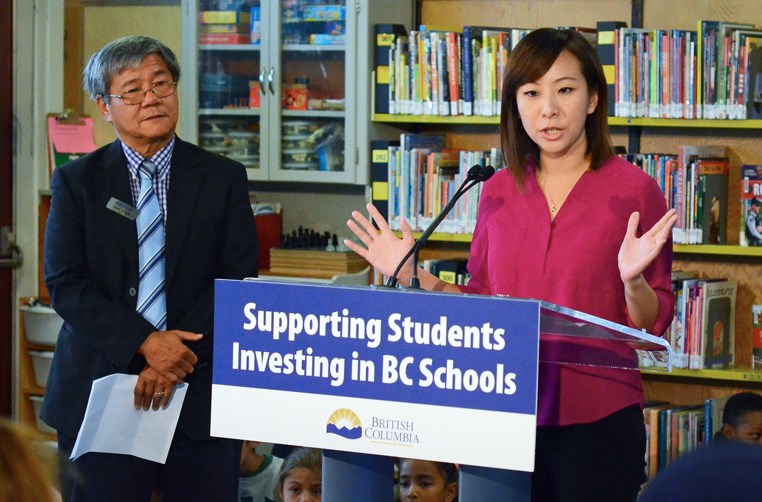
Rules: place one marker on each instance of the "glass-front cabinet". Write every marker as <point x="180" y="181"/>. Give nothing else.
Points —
<point x="269" y="83"/>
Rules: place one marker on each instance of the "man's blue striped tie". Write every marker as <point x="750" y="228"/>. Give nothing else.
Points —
<point x="152" y="301"/>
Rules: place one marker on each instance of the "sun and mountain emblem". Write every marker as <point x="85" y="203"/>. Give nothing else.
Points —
<point x="345" y="423"/>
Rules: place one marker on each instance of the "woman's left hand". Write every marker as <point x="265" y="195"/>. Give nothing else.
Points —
<point x="637" y="253"/>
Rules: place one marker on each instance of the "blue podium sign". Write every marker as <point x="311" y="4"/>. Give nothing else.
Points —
<point x="377" y="371"/>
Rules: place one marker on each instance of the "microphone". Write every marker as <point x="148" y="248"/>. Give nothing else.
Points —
<point x="475" y="175"/>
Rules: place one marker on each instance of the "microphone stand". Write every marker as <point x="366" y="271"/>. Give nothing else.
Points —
<point x="475" y="175"/>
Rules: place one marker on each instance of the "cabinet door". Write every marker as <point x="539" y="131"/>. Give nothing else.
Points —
<point x="268" y="85"/>
<point x="313" y="55"/>
<point x="224" y="91"/>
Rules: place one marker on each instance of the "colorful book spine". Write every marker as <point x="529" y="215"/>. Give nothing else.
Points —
<point x="756" y="335"/>
<point x="718" y="324"/>
<point x="751" y="200"/>
<point x="713" y="176"/>
<point x="379" y="174"/>
<point x="384" y="85"/>
<point x="468" y="66"/>
<point x="453" y="71"/>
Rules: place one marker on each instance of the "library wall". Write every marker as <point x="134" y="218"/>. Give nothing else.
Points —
<point x="73" y="13"/>
<point x="319" y="211"/>
<point x="536" y="13"/>
<point x="521" y="13"/>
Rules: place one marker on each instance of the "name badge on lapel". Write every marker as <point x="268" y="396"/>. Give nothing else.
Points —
<point x="122" y="208"/>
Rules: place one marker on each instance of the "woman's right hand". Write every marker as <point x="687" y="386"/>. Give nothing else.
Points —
<point x="383" y="249"/>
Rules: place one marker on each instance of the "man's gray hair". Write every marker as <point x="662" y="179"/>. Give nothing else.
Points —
<point x="120" y="55"/>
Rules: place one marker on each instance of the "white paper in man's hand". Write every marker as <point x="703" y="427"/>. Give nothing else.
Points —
<point x="113" y="425"/>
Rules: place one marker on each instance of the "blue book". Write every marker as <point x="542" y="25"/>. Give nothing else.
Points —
<point x="714" y="408"/>
<point x="471" y="41"/>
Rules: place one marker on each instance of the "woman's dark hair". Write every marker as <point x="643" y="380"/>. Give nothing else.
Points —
<point x="529" y="61"/>
<point x="307" y="458"/>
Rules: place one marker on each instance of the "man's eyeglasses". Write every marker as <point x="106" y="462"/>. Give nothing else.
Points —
<point x="136" y="96"/>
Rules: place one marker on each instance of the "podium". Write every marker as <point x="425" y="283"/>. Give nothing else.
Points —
<point x="370" y="374"/>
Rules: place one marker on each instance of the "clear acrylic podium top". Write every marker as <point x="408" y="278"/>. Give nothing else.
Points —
<point x="570" y="336"/>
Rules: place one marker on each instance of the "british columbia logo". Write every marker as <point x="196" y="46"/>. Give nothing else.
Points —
<point x="345" y="423"/>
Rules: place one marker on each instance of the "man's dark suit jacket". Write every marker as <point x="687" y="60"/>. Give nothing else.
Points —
<point x="91" y="271"/>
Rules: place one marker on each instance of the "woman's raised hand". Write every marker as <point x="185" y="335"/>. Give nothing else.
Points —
<point x="637" y="253"/>
<point x="382" y="248"/>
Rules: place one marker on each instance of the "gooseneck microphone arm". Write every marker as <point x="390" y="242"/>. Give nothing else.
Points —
<point x="475" y="175"/>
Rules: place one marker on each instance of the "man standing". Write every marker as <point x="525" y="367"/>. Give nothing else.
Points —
<point x="137" y="233"/>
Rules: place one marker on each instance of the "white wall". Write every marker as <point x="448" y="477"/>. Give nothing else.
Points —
<point x="38" y="90"/>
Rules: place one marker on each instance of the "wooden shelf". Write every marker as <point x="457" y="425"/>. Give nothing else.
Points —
<point x="32" y="390"/>
<point x="27" y="384"/>
<point x="436" y="119"/>
<point x="729" y="375"/>
<point x="693" y="123"/>
<point x="442" y="237"/>
<point x="613" y="121"/>
<point x="717" y="250"/>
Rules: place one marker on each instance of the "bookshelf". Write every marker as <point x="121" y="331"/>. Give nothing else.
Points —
<point x="26" y="386"/>
<point x="650" y="135"/>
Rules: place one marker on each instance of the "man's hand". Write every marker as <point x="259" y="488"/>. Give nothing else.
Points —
<point x="152" y="387"/>
<point x="166" y="353"/>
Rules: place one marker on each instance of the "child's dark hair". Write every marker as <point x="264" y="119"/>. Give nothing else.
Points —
<point x="739" y="405"/>
<point x="448" y="471"/>
<point x="307" y="458"/>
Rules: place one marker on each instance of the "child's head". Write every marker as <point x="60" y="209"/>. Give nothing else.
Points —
<point x="24" y="473"/>
<point x="742" y="418"/>
<point x="428" y="481"/>
<point x="300" y="478"/>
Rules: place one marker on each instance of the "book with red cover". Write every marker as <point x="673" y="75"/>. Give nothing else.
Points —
<point x="751" y="203"/>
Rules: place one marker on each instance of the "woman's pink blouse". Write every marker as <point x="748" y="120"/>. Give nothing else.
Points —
<point x="572" y="261"/>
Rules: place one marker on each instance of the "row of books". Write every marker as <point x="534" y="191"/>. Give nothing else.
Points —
<point x="712" y="73"/>
<point x="673" y="431"/>
<point x="695" y="183"/>
<point x="655" y="73"/>
<point x="437" y="72"/>
<point x="422" y="176"/>
<point x="702" y="334"/>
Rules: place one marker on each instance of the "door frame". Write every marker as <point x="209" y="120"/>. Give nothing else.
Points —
<point x="38" y="41"/>
<point x="6" y="205"/>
